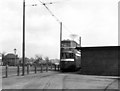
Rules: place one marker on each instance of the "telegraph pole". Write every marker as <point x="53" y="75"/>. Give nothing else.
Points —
<point x="80" y="41"/>
<point x="60" y="38"/>
<point x="23" y="52"/>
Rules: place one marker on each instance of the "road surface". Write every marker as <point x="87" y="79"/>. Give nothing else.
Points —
<point x="57" y="80"/>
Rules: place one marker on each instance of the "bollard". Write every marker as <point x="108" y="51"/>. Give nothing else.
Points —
<point x="55" y="67"/>
<point x="51" y="67"/>
<point x="18" y="70"/>
<point x="6" y="73"/>
<point x="35" y="69"/>
<point x="41" y="68"/>
<point x="28" y="69"/>
<point x="46" y="67"/>
<point x="58" y="67"/>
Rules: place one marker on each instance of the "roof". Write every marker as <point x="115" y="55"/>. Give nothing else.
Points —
<point x="10" y="55"/>
<point x="97" y="47"/>
<point x="68" y="41"/>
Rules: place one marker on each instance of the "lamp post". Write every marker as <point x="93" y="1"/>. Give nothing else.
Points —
<point x="15" y="55"/>
<point x="23" y="45"/>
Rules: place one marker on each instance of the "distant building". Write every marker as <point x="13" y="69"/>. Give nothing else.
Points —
<point x="11" y="59"/>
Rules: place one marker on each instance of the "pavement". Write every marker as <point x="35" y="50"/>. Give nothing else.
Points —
<point x="58" y="80"/>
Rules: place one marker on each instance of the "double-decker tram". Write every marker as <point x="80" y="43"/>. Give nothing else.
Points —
<point x="70" y="57"/>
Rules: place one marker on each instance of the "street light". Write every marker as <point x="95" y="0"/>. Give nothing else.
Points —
<point x="15" y="55"/>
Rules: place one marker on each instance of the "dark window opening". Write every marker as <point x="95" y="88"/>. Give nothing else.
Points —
<point x="67" y="55"/>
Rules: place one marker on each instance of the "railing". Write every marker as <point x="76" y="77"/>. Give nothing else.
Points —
<point x="8" y="71"/>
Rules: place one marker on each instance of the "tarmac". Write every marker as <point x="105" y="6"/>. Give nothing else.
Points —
<point x="58" y="80"/>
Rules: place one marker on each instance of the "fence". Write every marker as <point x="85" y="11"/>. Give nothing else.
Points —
<point x="17" y="70"/>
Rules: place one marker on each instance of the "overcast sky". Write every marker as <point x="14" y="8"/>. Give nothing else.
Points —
<point x="96" y="21"/>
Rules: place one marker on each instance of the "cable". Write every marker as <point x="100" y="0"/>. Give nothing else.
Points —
<point x="54" y="15"/>
<point x="67" y="29"/>
<point x="40" y="2"/>
<point x="50" y="10"/>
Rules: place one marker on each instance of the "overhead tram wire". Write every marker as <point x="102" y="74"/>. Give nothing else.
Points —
<point x="50" y="10"/>
<point x="54" y="15"/>
<point x="67" y="29"/>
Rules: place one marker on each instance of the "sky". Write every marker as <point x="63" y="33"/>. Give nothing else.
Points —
<point x="96" y="21"/>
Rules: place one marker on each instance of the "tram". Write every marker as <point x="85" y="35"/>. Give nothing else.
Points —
<point x="70" y="56"/>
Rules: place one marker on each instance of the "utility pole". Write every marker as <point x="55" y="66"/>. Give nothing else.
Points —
<point x="23" y="52"/>
<point x="80" y="41"/>
<point x="60" y="38"/>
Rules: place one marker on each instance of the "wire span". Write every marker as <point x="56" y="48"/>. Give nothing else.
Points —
<point x="54" y="15"/>
<point x="50" y="10"/>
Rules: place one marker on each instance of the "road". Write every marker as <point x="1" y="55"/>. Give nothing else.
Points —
<point x="57" y="80"/>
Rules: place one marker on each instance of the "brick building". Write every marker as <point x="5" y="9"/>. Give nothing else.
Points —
<point x="11" y="59"/>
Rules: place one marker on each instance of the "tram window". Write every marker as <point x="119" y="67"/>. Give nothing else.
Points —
<point x="71" y="55"/>
<point x="67" y="55"/>
<point x="63" y="55"/>
<point x="66" y="45"/>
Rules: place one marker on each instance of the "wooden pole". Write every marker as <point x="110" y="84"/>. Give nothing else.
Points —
<point x="23" y="52"/>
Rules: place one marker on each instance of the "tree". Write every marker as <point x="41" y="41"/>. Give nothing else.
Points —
<point x="32" y="59"/>
<point x="47" y="62"/>
<point x="47" y="59"/>
<point x="38" y="59"/>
